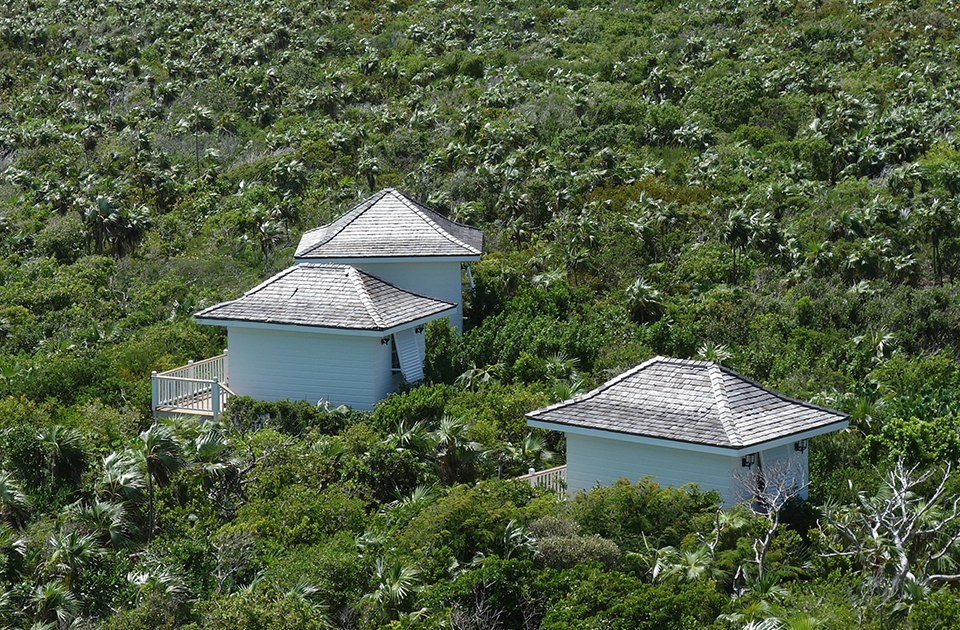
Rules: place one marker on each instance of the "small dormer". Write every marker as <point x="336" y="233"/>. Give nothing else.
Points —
<point x="401" y="241"/>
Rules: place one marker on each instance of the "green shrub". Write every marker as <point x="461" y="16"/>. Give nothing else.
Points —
<point x="635" y="515"/>
<point x="468" y="519"/>
<point x="245" y="414"/>
<point x="564" y="552"/>
<point x="421" y="404"/>
<point x="497" y="589"/>
<point x="614" y="600"/>
<point x="334" y="568"/>
<point x="301" y="515"/>
<point x="265" y="608"/>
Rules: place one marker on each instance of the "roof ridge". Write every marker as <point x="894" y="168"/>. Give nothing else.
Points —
<point x="418" y="208"/>
<point x="388" y="283"/>
<point x="366" y="204"/>
<point x="596" y="391"/>
<point x="264" y="284"/>
<point x="368" y="305"/>
<point x="780" y="395"/>
<point x="269" y="281"/>
<point x="727" y="421"/>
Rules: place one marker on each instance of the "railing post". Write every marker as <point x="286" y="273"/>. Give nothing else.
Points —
<point x="226" y="367"/>
<point x="154" y="392"/>
<point x="215" y="398"/>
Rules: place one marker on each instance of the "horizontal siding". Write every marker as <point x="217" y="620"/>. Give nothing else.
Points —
<point x="787" y="461"/>
<point x="440" y="279"/>
<point x="592" y="460"/>
<point x="273" y="365"/>
<point x="382" y="369"/>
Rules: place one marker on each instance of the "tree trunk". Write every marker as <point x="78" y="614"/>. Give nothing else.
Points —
<point x="151" y="516"/>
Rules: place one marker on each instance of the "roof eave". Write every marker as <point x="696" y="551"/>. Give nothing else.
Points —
<point x="362" y="332"/>
<point x="352" y="260"/>
<point x="732" y="451"/>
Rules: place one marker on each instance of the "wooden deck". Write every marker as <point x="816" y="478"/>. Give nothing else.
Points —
<point x="198" y="404"/>
<point x="199" y="388"/>
<point x="553" y="478"/>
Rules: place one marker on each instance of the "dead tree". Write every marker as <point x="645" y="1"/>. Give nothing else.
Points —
<point x="766" y="489"/>
<point x="900" y="534"/>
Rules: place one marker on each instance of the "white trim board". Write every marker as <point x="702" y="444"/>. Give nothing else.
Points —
<point x="690" y="446"/>
<point x="361" y="332"/>
<point x="383" y="259"/>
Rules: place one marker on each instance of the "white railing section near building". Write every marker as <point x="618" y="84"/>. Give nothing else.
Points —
<point x="199" y="387"/>
<point x="552" y="478"/>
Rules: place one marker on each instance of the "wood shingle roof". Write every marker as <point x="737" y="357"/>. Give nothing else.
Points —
<point x="690" y="401"/>
<point x="389" y="225"/>
<point x="326" y="296"/>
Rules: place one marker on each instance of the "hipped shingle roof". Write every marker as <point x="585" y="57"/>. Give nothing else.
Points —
<point x="327" y="296"/>
<point x="690" y="401"/>
<point x="390" y="225"/>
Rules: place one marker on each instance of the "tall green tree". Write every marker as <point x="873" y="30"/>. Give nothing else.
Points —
<point x="161" y="455"/>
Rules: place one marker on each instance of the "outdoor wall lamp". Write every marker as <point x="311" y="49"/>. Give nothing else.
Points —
<point x="749" y="460"/>
<point x="800" y="446"/>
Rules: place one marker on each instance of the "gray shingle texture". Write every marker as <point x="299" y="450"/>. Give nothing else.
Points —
<point x="689" y="401"/>
<point x="327" y="296"/>
<point x="390" y="225"/>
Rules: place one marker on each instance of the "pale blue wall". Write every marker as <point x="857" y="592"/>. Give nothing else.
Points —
<point x="592" y="459"/>
<point x="305" y="365"/>
<point x="440" y="279"/>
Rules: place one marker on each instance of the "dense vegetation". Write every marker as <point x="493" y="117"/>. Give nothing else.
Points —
<point x="768" y="184"/>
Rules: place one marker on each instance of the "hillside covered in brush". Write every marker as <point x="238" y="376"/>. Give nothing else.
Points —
<point x="766" y="184"/>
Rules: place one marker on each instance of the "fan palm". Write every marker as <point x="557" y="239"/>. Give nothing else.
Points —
<point x="161" y="456"/>
<point x="715" y="353"/>
<point x="63" y="448"/>
<point x="105" y="520"/>
<point x="644" y="300"/>
<point x="13" y="550"/>
<point x="455" y="450"/>
<point x="395" y="583"/>
<point x="70" y="553"/>
<point x="565" y="389"/>
<point x="689" y="565"/>
<point x="120" y="479"/>
<point x="736" y="234"/>
<point x="14" y="503"/>
<point x="158" y="579"/>
<point x="54" y="603"/>
<point x="531" y="452"/>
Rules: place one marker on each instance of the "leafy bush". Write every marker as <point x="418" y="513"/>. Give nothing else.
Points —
<point x="421" y="404"/>
<point x="246" y="414"/>
<point x="635" y="515"/>
<point x="914" y="441"/>
<point x="564" y="552"/>
<point x="618" y="601"/>
<point x="302" y="515"/>
<point x="497" y="589"/>
<point x="468" y="519"/>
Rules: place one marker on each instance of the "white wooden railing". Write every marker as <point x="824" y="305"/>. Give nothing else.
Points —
<point x="553" y="478"/>
<point x="200" y="387"/>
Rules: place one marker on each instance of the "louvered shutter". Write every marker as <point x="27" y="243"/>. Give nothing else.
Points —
<point x="410" y="354"/>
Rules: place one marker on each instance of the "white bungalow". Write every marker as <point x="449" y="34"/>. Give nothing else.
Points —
<point x="397" y="239"/>
<point x="682" y="422"/>
<point x="311" y="332"/>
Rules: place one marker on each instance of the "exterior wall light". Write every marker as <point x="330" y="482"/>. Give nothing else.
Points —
<point x="800" y="446"/>
<point x="749" y="460"/>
